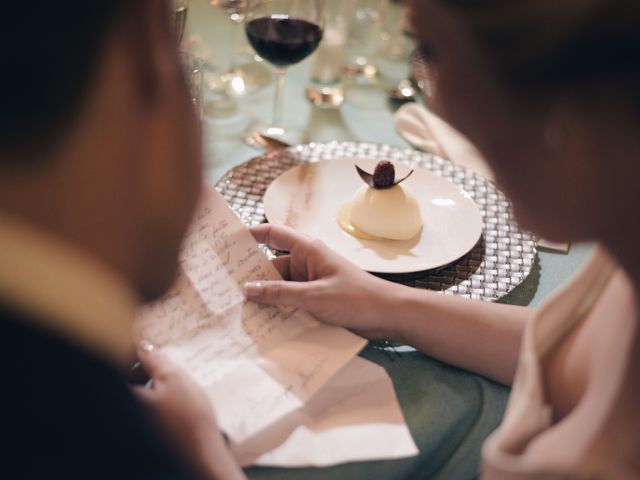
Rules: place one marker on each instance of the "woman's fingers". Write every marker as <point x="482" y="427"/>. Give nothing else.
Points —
<point x="281" y="238"/>
<point x="155" y="363"/>
<point x="280" y="292"/>
<point x="145" y="394"/>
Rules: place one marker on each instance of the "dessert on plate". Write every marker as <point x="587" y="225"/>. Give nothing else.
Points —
<point x="382" y="208"/>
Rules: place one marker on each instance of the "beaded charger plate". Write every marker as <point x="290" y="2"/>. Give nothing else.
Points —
<point x="501" y="260"/>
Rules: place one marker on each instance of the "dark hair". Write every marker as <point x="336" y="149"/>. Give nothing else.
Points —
<point x="551" y="44"/>
<point x="49" y="53"/>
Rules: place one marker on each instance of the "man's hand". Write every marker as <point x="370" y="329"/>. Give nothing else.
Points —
<point x="187" y="414"/>
<point x="324" y="284"/>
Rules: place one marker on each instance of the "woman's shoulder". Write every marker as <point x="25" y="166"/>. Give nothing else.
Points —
<point x="592" y="321"/>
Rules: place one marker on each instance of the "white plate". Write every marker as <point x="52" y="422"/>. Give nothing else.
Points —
<point x="307" y="198"/>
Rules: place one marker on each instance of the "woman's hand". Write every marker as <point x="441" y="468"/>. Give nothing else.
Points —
<point x="478" y="336"/>
<point x="324" y="284"/>
<point x="187" y="414"/>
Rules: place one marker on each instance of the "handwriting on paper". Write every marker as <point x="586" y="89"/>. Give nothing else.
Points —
<point x="219" y="256"/>
<point x="243" y="353"/>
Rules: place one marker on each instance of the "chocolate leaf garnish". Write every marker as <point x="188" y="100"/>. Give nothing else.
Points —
<point x="397" y="181"/>
<point x="366" y="177"/>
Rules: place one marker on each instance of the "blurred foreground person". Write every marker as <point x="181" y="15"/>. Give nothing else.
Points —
<point x="100" y="169"/>
<point x="549" y="92"/>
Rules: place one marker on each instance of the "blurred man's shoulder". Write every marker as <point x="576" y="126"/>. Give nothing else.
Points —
<point x="67" y="414"/>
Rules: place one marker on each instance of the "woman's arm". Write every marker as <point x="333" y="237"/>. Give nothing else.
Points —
<point x="480" y="337"/>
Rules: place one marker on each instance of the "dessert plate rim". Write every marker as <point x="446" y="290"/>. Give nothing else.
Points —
<point x="305" y="197"/>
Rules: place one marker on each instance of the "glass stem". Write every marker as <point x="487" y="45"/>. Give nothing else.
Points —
<point x="233" y="42"/>
<point x="279" y="98"/>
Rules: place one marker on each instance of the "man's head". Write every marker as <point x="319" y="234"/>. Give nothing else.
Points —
<point x="99" y="142"/>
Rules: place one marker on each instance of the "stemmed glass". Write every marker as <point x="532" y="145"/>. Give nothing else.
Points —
<point x="283" y="32"/>
<point x="365" y="30"/>
<point x="181" y="7"/>
<point x="241" y="80"/>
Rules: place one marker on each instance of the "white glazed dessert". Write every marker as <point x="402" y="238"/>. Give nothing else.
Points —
<point x="382" y="209"/>
<point x="392" y="213"/>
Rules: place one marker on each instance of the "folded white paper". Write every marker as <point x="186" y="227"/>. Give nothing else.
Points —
<point x="354" y="417"/>
<point x="263" y="367"/>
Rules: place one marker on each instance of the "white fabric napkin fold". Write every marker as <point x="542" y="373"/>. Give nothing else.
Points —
<point x="430" y="133"/>
<point x="355" y="417"/>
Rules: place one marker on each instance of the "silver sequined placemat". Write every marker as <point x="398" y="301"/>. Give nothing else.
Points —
<point x="499" y="262"/>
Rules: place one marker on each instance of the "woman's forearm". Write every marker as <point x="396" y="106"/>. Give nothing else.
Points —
<point x="481" y="337"/>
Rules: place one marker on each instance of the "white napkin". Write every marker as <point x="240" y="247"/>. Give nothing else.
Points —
<point x="430" y="133"/>
<point x="355" y="417"/>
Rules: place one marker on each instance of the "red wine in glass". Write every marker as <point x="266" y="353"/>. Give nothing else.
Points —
<point x="283" y="41"/>
<point x="283" y="32"/>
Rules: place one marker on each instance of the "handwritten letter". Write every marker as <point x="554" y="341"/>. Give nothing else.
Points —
<point x="258" y="363"/>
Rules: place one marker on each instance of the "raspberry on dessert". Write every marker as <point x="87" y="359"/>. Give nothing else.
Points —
<point x="384" y="175"/>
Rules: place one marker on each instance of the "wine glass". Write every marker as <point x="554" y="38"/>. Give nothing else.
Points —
<point x="241" y="80"/>
<point x="283" y="32"/>
<point x="181" y="7"/>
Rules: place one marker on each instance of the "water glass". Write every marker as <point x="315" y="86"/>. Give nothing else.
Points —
<point x="181" y="8"/>
<point x="364" y="34"/>
<point x="194" y="69"/>
<point x="325" y="89"/>
<point x="243" y="79"/>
